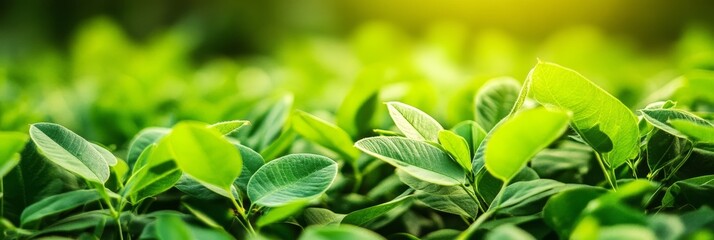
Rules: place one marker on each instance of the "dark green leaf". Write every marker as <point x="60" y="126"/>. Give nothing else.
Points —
<point x="495" y="100"/>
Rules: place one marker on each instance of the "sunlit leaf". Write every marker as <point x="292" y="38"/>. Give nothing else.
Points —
<point x="414" y="123"/>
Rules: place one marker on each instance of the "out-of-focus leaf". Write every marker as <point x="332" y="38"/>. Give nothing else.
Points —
<point x="508" y="232"/>
<point x="325" y="134"/>
<point x="277" y="214"/>
<point x="12" y="143"/>
<point x="695" y="131"/>
<point x="519" y="138"/>
<point x="660" y="118"/>
<point x="694" y="192"/>
<point x="364" y="216"/>
<point x="562" y="210"/>
<point x="57" y="204"/>
<point x="495" y="100"/>
<point x="344" y="232"/>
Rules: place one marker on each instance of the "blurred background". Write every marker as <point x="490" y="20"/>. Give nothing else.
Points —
<point x="107" y="69"/>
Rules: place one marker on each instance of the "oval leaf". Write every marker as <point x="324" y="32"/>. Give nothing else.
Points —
<point x="70" y="151"/>
<point x="661" y="118"/>
<point x="494" y="101"/>
<point x="457" y="147"/>
<point x="290" y="178"/>
<point x="206" y="156"/>
<point x="229" y="127"/>
<point x="552" y="84"/>
<point x="142" y="140"/>
<point x="420" y="159"/>
<point x="519" y="138"/>
<point x="414" y="123"/>
<point x="693" y="130"/>
<point x="324" y="133"/>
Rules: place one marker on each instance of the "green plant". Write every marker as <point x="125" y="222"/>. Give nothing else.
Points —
<point x="556" y="157"/>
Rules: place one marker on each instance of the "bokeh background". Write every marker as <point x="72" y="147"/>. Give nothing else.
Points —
<point x="107" y="69"/>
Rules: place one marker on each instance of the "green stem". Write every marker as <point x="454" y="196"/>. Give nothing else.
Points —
<point x="679" y="165"/>
<point x="609" y="173"/>
<point x="474" y="226"/>
<point x="358" y="176"/>
<point x="243" y="217"/>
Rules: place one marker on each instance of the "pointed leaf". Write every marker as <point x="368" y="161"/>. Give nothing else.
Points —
<point x="365" y="216"/>
<point x="552" y="84"/>
<point x="277" y="214"/>
<point x="693" y="130"/>
<point x="57" y="204"/>
<point x="12" y="143"/>
<point x="457" y="147"/>
<point x="661" y="118"/>
<point x="229" y="127"/>
<point x="290" y="178"/>
<point x="142" y="140"/>
<point x="205" y="155"/>
<point x="414" y="123"/>
<point x="324" y="133"/>
<point x="420" y="159"/>
<point x="155" y="172"/>
<point x="70" y="151"/>
<point x="342" y="232"/>
<point x="519" y="138"/>
<point x="494" y="101"/>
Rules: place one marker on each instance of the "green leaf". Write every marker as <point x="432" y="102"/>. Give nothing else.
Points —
<point x="661" y="118"/>
<point x="57" y="204"/>
<point x="141" y="141"/>
<point x="519" y="138"/>
<point x="494" y="101"/>
<point x="457" y="203"/>
<point x="70" y="151"/>
<point x="457" y="147"/>
<point x="693" y="130"/>
<point x="342" y="232"/>
<point x="420" y="159"/>
<point x="268" y="126"/>
<point x="508" y="231"/>
<point x="526" y="197"/>
<point x="662" y="148"/>
<point x="290" y="178"/>
<point x="155" y="172"/>
<point x="252" y="161"/>
<point x="206" y="156"/>
<point x="171" y="227"/>
<point x="78" y="222"/>
<point x="562" y="211"/>
<point x="106" y="154"/>
<point x="279" y="213"/>
<point x="228" y="127"/>
<point x="695" y="192"/>
<point x="324" y="133"/>
<point x="552" y="84"/>
<point x="418" y="184"/>
<point x="365" y="216"/>
<point x="414" y="123"/>
<point x="472" y="132"/>
<point x="321" y="216"/>
<point x="34" y="179"/>
<point x="12" y="143"/>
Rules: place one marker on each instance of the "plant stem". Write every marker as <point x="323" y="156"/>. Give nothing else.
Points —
<point x="358" y="176"/>
<point x="244" y="217"/>
<point x="474" y="226"/>
<point x="679" y="165"/>
<point x="609" y="173"/>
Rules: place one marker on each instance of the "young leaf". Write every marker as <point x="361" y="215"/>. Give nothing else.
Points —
<point x="279" y="213"/>
<point x="70" y="151"/>
<point x="252" y="161"/>
<point x="420" y="159"/>
<point x="457" y="203"/>
<point x="509" y="231"/>
<point x="324" y="133"/>
<point x="457" y="147"/>
<point x="472" y="132"/>
<point x="155" y="172"/>
<point x="106" y="154"/>
<point x="662" y="118"/>
<point x="57" y="204"/>
<point x="695" y="131"/>
<point x="229" y="127"/>
<point x="519" y="138"/>
<point x="12" y="143"/>
<point x="414" y="123"/>
<point x="141" y="141"/>
<point x="494" y="101"/>
<point x="365" y="216"/>
<point x="343" y="232"/>
<point x="290" y="178"/>
<point x="205" y="155"/>
<point x="170" y="227"/>
<point x="525" y="198"/>
<point x="552" y="84"/>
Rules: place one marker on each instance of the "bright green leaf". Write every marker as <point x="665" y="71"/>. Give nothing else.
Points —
<point x="70" y="151"/>
<point x="694" y="130"/>
<point x="457" y="147"/>
<point x="414" y="123"/>
<point x="205" y="155"/>
<point x="342" y="232"/>
<point x="279" y="213"/>
<point x="420" y="159"/>
<point x="229" y="127"/>
<point x="365" y="216"/>
<point x="12" y="143"/>
<point x="141" y="141"/>
<point x="290" y="178"/>
<point x="662" y="118"/>
<point x="562" y="211"/>
<point x="324" y="133"/>
<point x="519" y="138"/>
<point x="592" y="107"/>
